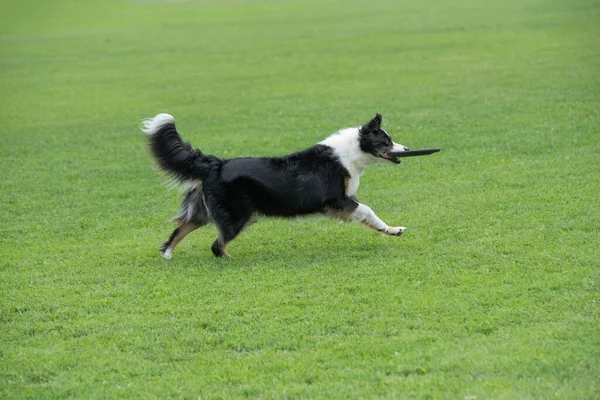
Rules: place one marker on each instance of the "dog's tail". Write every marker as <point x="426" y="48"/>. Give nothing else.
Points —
<point x="172" y="154"/>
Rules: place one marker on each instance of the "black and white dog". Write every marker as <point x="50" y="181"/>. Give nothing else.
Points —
<point x="321" y="179"/>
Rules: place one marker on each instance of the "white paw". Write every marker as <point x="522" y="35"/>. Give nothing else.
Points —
<point x="167" y="254"/>
<point x="396" y="231"/>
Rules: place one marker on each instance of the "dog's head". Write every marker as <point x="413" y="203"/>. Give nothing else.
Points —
<point x="375" y="141"/>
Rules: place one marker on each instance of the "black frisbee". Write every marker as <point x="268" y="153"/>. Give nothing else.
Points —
<point x="414" y="153"/>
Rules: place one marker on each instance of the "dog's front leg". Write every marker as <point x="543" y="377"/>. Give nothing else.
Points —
<point x="365" y="215"/>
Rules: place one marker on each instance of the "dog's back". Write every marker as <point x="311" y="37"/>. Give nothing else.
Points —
<point x="297" y="184"/>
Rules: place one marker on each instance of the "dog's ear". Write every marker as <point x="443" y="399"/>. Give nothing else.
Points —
<point x="373" y="125"/>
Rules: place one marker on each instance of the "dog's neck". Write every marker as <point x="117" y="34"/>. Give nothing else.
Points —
<point x="345" y="145"/>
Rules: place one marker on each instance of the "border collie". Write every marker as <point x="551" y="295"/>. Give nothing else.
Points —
<point x="321" y="179"/>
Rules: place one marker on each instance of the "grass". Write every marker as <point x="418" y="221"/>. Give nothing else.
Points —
<point x="493" y="292"/>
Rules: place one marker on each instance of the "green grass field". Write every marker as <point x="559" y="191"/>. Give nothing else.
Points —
<point x="493" y="292"/>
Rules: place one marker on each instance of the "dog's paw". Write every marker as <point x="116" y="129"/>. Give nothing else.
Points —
<point x="167" y="254"/>
<point x="396" y="231"/>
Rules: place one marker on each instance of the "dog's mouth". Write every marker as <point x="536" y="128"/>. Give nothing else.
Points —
<point x="387" y="156"/>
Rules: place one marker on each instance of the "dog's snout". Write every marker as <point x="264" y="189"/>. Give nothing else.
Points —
<point x="406" y="149"/>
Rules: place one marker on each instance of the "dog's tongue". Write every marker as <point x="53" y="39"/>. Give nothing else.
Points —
<point x="387" y="156"/>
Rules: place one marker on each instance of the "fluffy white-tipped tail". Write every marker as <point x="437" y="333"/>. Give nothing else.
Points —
<point x="174" y="156"/>
<point x="150" y="126"/>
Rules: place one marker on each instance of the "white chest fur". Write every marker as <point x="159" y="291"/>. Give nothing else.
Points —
<point x="353" y="183"/>
<point x="346" y="147"/>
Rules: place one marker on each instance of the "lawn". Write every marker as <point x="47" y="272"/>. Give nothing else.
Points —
<point x="493" y="291"/>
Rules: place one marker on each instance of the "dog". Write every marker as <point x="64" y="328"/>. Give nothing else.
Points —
<point x="323" y="179"/>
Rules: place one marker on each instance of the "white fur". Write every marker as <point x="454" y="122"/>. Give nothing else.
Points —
<point x="152" y="125"/>
<point x="167" y="254"/>
<point x="346" y="147"/>
<point x="398" y="147"/>
<point x="365" y="215"/>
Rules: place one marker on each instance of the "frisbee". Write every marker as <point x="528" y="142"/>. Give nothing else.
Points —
<point x="414" y="153"/>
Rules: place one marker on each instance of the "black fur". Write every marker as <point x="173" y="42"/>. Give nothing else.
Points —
<point x="231" y="191"/>
<point x="373" y="139"/>
<point x="177" y="157"/>
<point x="169" y="241"/>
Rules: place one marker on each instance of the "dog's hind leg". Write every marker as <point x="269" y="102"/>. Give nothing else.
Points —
<point x="219" y="247"/>
<point x="177" y="236"/>
<point x="192" y="215"/>
<point x="227" y="232"/>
